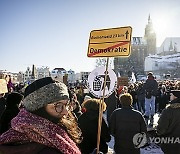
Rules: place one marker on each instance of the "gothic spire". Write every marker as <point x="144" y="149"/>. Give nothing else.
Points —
<point x="149" y="19"/>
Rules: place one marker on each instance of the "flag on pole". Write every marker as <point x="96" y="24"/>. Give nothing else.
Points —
<point x="133" y="78"/>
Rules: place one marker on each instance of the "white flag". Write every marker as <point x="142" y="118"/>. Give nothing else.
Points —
<point x="133" y="78"/>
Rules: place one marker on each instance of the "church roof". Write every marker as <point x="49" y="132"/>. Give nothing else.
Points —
<point x="170" y="44"/>
<point x="167" y="58"/>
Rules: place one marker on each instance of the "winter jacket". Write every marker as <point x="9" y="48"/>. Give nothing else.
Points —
<point x="124" y="123"/>
<point x="141" y="93"/>
<point x="151" y="85"/>
<point x="111" y="103"/>
<point x="12" y="109"/>
<point x="88" y="122"/>
<point x="2" y="105"/>
<point x="169" y="126"/>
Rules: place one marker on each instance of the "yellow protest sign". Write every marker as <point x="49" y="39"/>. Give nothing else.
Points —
<point x="110" y="42"/>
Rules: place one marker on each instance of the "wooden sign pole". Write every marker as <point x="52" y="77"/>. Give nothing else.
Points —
<point x="101" y="108"/>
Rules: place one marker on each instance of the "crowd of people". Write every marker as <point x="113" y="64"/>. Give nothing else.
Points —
<point x="49" y="117"/>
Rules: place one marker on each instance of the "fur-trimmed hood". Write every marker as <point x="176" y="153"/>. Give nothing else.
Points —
<point x="174" y="106"/>
<point x="174" y="103"/>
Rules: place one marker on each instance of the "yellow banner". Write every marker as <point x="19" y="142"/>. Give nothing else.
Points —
<point x="110" y="42"/>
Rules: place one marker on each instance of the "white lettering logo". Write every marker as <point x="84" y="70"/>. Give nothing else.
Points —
<point x="139" y="140"/>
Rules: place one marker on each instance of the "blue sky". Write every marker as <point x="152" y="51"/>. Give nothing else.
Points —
<point x="55" y="33"/>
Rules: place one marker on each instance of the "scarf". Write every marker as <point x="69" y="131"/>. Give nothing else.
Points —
<point x="28" y="127"/>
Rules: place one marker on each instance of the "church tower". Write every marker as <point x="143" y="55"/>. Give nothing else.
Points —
<point x="150" y="38"/>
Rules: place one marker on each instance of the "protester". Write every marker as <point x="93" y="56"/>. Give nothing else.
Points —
<point x="169" y="124"/>
<point x="10" y="85"/>
<point x="132" y="91"/>
<point x="2" y="103"/>
<point x="111" y="102"/>
<point x="150" y="87"/>
<point x="121" y="90"/>
<point x="75" y="106"/>
<point x="162" y="98"/>
<point x="12" y="109"/>
<point x="88" y="122"/>
<point x="44" y="124"/>
<point x="3" y="91"/>
<point x="80" y="94"/>
<point x="124" y="123"/>
<point x="141" y="97"/>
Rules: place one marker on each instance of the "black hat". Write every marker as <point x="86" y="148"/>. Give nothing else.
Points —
<point x="44" y="91"/>
<point x="175" y="93"/>
<point x="150" y="73"/>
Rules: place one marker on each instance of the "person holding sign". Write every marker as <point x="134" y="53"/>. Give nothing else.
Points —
<point x="88" y="122"/>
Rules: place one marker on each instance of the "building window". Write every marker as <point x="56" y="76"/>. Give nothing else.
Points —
<point x="156" y="64"/>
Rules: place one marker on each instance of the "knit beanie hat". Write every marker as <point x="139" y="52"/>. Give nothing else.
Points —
<point x="44" y="91"/>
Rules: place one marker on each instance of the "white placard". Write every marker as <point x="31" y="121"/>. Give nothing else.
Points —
<point x="3" y="86"/>
<point x="96" y="82"/>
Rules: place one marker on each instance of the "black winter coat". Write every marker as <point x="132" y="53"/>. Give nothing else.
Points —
<point x="124" y="123"/>
<point x="151" y="85"/>
<point x="169" y="126"/>
<point x="5" y="120"/>
<point x="2" y="105"/>
<point x="88" y="122"/>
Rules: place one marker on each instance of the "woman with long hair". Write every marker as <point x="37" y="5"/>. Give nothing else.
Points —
<point x="44" y="124"/>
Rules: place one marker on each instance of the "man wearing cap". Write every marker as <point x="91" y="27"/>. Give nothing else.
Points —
<point x="169" y="124"/>
<point x="150" y="87"/>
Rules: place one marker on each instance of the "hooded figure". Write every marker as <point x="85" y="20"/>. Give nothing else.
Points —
<point x="12" y="109"/>
<point x="44" y="124"/>
<point x="169" y="124"/>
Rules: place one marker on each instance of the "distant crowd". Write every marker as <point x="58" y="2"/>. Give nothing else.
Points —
<point x="48" y="116"/>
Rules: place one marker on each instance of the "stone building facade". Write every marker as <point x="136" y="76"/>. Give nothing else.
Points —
<point x="141" y="47"/>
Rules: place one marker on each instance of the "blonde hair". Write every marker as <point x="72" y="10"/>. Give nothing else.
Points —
<point x="93" y="104"/>
<point x="126" y="99"/>
<point x="69" y="122"/>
